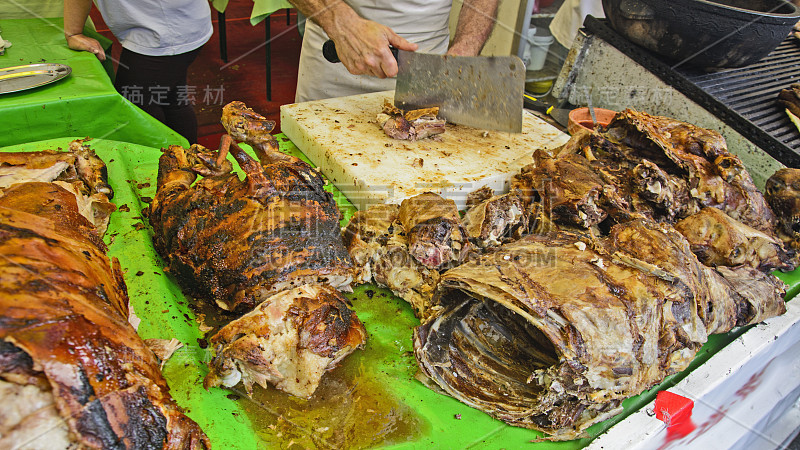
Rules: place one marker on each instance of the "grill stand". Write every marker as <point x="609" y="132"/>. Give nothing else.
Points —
<point x="614" y="80"/>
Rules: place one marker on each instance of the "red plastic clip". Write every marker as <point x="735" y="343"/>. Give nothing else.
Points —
<point x="675" y="411"/>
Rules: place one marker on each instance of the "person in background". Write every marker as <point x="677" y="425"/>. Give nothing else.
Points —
<point x="569" y="19"/>
<point x="160" y="39"/>
<point x="363" y="30"/>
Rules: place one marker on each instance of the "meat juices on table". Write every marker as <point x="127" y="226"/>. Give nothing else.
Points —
<point x="248" y="244"/>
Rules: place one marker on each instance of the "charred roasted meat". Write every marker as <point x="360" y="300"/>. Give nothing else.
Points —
<point x="433" y="227"/>
<point x="238" y="242"/>
<point x="789" y="98"/>
<point x="719" y="240"/>
<point x="73" y="372"/>
<point x="552" y="333"/>
<point x="78" y="170"/>
<point x="783" y="195"/>
<point x="290" y="340"/>
<point x="699" y="156"/>
<point x="267" y="238"/>
<point x="378" y="243"/>
<point x="411" y="125"/>
<point x="495" y="218"/>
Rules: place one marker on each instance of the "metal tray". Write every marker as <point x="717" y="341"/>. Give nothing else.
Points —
<point x="28" y="76"/>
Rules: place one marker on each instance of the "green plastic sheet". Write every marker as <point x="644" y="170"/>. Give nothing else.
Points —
<point x="386" y="365"/>
<point x="83" y="104"/>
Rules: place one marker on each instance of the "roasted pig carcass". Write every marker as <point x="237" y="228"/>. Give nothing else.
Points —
<point x="553" y="332"/>
<point x="243" y="242"/>
<point x="290" y="340"/>
<point x="79" y="170"/>
<point x="73" y="372"/>
<point x="783" y="194"/>
<point x="410" y="125"/>
<point x="378" y="244"/>
<point x="238" y="242"/>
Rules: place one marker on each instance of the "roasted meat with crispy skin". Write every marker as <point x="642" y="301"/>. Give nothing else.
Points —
<point x="719" y="240"/>
<point x="73" y="372"/>
<point x="553" y="332"/>
<point x="783" y="195"/>
<point x="274" y="237"/>
<point x="290" y="340"/>
<point x="433" y="227"/>
<point x="376" y="240"/>
<point x="238" y="242"/>
<point x="78" y="170"/>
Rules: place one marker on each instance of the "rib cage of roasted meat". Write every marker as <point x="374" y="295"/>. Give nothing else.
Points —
<point x="73" y="372"/>
<point x="255" y="243"/>
<point x="601" y="272"/>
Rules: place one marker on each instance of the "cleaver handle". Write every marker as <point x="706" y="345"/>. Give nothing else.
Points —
<point x="329" y="51"/>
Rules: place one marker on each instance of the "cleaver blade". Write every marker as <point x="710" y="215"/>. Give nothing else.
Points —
<point x="478" y="91"/>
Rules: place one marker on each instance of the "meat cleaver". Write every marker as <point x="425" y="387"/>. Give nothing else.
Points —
<point x="478" y="91"/>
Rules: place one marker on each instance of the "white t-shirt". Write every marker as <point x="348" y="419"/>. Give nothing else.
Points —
<point x="422" y="22"/>
<point x="158" y="27"/>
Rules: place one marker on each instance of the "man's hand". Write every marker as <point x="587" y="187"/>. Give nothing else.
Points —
<point x="364" y="48"/>
<point x="86" y="44"/>
<point x="362" y="45"/>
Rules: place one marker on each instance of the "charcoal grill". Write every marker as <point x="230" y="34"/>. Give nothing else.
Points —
<point x="740" y="103"/>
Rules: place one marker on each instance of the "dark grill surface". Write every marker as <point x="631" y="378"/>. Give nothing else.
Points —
<point x="744" y="98"/>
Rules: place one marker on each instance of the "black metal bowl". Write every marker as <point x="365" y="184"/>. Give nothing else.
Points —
<point x="705" y="34"/>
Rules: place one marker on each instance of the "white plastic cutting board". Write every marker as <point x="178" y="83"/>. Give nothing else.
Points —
<point x="341" y="136"/>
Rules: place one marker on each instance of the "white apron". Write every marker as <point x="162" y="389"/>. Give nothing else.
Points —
<point x="424" y="22"/>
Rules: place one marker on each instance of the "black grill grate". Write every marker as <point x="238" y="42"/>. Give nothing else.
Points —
<point x="744" y="98"/>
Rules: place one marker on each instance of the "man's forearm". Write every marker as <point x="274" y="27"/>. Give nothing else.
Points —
<point x="332" y="15"/>
<point x="75" y="14"/>
<point x="475" y="23"/>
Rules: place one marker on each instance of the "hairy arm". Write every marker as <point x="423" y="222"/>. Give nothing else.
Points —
<point x="75" y="14"/>
<point x="362" y="45"/>
<point x="475" y="23"/>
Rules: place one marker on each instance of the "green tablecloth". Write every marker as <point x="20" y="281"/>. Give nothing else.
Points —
<point x="83" y="104"/>
<point x="261" y="8"/>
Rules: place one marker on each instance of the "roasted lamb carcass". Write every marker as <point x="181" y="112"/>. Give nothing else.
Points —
<point x="698" y="156"/>
<point x="238" y="242"/>
<point x="241" y="243"/>
<point x="73" y="372"/>
<point x="405" y="247"/>
<point x="490" y="220"/>
<point x="719" y="240"/>
<point x="552" y="333"/>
